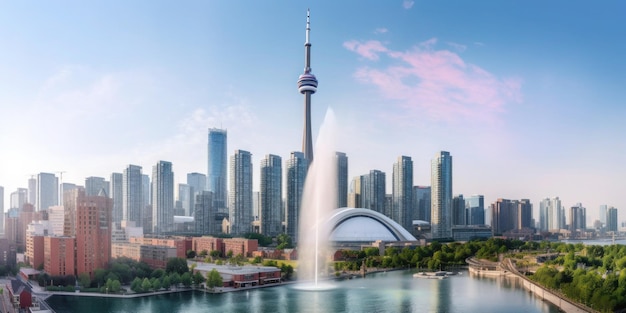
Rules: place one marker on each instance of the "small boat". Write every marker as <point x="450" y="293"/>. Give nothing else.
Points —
<point x="431" y="275"/>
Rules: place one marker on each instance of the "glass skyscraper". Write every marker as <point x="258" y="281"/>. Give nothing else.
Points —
<point x="297" y="166"/>
<point x="162" y="197"/>
<point x="117" y="191"/>
<point x="475" y="206"/>
<point x="342" y="179"/>
<point x="47" y="191"/>
<point x="240" y="206"/>
<point x="271" y="195"/>
<point x="374" y="192"/>
<point x="441" y="195"/>
<point x="402" y="192"/>
<point x="132" y="193"/>
<point x="421" y="203"/>
<point x="216" y="169"/>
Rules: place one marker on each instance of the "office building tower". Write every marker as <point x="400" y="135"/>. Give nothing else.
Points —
<point x="88" y="220"/>
<point x="603" y="209"/>
<point x="441" y="196"/>
<point x="551" y="215"/>
<point x="18" y="198"/>
<point x="342" y="179"/>
<point x="307" y="85"/>
<point x="475" y="208"/>
<point x="185" y="199"/>
<point x="47" y="191"/>
<point x="524" y="214"/>
<point x="271" y="195"/>
<point x="354" y="195"/>
<point x="1" y="210"/>
<point x="117" y="195"/>
<point x="216" y="171"/>
<point x="297" y="166"/>
<point x="402" y="192"/>
<point x="421" y="203"/>
<point x="132" y="193"/>
<point x="504" y="216"/>
<point x="197" y="183"/>
<point x="240" y="204"/>
<point x="374" y="191"/>
<point x="611" y="219"/>
<point x="32" y="190"/>
<point x="205" y="218"/>
<point x="578" y="218"/>
<point x="162" y="198"/>
<point x="146" y="190"/>
<point x="93" y="185"/>
<point x="458" y="210"/>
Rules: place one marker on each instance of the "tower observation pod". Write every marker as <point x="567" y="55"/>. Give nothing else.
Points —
<point x="307" y="85"/>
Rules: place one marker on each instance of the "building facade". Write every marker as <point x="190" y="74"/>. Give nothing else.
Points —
<point x="402" y="192"/>
<point x="132" y="193"/>
<point x="240" y="205"/>
<point x="475" y="206"/>
<point x="297" y="167"/>
<point x="117" y="195"/>
<point x="374" y="191"/>
<point x="271" y="195"/>
<point x="441" y="195"/>
<point x="47" y="191"/>
<point x="421" y="203"/>
<point x="216" y="169"/>
<point x="162" y="197"/>
<point x="342" y="179"/>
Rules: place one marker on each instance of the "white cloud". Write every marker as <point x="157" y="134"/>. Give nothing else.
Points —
<point x="407" y="4"/>
<point x="381" y="30"/>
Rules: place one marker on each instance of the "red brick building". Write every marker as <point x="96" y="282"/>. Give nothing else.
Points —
<point x="59" y="256"/>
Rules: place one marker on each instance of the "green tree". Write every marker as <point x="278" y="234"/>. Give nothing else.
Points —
<point x="116" y="286"/>
<point x="284" y="241"/>
<point x="257" y="260"/>
<point x="84" y="280"/>
<point x="166" y="282"/>
<point x="174" y="279"/>
<point x="158" y="273"/>
<point x="198" y="278"/>
<point x="177" y="265"/>
<point x="214" y="279"/>
<point x="204" y="253"/>
<point x="215" y="254"/>
<point x="191" y="254"/>
<point x="185" y="279"/>
<point x="156" y="284"/>
<point x="136" y="285"/>
<point x="146" y="285"/>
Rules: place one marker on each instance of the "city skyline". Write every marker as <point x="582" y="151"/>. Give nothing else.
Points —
<point x="532" y="94"/>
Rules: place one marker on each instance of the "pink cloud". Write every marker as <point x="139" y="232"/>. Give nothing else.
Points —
<point x="436" y="82"/>
<point x="369" y="49"/>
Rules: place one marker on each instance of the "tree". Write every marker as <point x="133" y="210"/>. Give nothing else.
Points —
<point x="136" y="285"/>
<point x="116" y="286"/>
<point x="287" y="271"/>
<point x="166" y="282"/>
<point x="257" y="260"/>
<point x="215" y="254"/>
<point x="156" y="284"/>
<point x="174" y="279"/>
<point x="204" y="253"/>
<point x="84" y="280"/>
<point x="177" y="265"/>
<point x="146" y="285"/>
<point x="186" y="279"/>
<point x="191" y="254"/>
<point x="284" y="242"/>
<point x="214" y="279"/>
<point x="198" y="278"/>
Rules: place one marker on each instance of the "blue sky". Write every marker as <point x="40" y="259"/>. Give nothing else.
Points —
<point x="526" y="95"/>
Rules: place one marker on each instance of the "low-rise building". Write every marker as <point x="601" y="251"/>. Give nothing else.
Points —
<point x="242" y="276"/>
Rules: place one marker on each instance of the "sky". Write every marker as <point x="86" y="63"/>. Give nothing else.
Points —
<point x="527" y="96"/>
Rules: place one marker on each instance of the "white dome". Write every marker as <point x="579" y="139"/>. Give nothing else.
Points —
<point x="365" y="225"/>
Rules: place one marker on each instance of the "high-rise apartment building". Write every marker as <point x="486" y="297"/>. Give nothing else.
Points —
<point x="162" y="197"/>
<point x="216" y="171"/>
<point x="421" y="203"/>
<point x="132" y="193"/>
<point x="205" y="219"/>
<point x="578" y="218"/>
<point x="374" y="191"/>
<point x="524" y="214"/>
<point x="271" y="195"/>
<point x="117" y="195"/>
<point x="611" y="219"/>
<point x="93" y="185"/>
<point x="475" y="206"/>
<point x="197" y="183"/>
<point x="47" y="191"/>
<point x="342" y="179"/>
<point x="441" y="195"/>
<point x="402" y="192"/>
<point x="240" y="206"/>
<point x="32" y="191"/>
<point x="458" y="210"/>
<point x="504" y="216"/>
<point x="88" y="220"/>
<point x="18" y="198"/>
<point x="297" y="166"/>
<point x="185" y="198"/>
<point x="602" y="210"/>
<point x="354" y="195"/>
<point x="551" y="215"/>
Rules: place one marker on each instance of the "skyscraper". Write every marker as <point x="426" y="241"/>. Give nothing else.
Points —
<point x="184" y="197"/>
<point x="342" y="179"/>
<point x="204" y="215"/>
<point x="307" y="85"/>
<point x="611" y="219"/>
<point x="602" y="210"/>
<point x="162" y="197"/>
<point x="32" y="191"/>
<point x="551" y="215"/>
<point x="132" y="193"/>
<point x="18" y="198"/>
<point x="93" y="185"/>
<point x="421" y="203"/>
<point x="47" y="191"/>
<point x="475" y="206"/>
<point x="216" y="170"/>
<point x="441" y="195"/>
<point x="458" y="210"/>
<point x="240" y="206"/>
<point x="402" y="192"/>
<point x="504" y="216"/>
<point x="578" y="217"/>
<point x="374" y="192"/>
<point x="354" y="196"/>
<point x="524" y="214"/>
<point x="297" y="166"/>
<point x="117" y="194"/>
<point x="271" y="195"/>
<point x="197" y="184"/>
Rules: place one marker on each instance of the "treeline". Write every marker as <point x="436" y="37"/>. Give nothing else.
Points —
<point x="593" y="275"/>
<point x="434" y="256"/>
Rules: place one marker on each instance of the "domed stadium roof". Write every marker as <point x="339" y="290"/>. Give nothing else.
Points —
<point x="365" y="225"/>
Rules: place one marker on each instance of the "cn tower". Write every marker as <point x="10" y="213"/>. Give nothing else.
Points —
<point x="307" y="85"/>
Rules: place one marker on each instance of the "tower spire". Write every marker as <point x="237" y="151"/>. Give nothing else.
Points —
<point x="307" y="85"/>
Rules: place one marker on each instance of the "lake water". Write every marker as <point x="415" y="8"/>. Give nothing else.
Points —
<point x="394" y="291"/>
